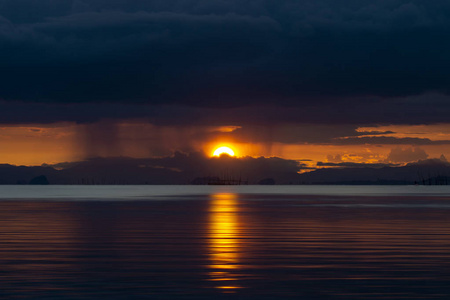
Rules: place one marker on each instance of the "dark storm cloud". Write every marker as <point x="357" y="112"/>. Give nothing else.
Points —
<point x="179" y="168"/>
<point x="139" y="57"/>
<point x="231" y="53"/>
<point x="423" y="109"/>
<point x="407" y="155"/>
<point x="185" y="168"/>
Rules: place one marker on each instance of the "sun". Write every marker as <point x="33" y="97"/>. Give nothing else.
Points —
<point x="219" y="151"/>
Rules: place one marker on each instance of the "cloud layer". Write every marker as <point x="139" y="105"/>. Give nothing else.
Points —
<point x="222" y="53"/>
<point x="295" y="72"/>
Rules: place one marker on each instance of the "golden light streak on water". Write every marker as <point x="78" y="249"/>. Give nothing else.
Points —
<point x="224" y="248"/>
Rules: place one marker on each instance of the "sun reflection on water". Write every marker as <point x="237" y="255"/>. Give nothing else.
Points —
<point x="224" y="246"/>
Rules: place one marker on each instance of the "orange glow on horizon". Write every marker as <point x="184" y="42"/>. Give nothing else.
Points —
<point x="35" y="144"/>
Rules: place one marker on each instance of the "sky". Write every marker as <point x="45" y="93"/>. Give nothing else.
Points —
<point x="320" y="82"/>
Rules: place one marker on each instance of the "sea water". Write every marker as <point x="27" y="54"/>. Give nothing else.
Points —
<point x="225" y="242"/>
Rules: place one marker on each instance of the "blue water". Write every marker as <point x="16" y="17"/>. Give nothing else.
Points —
<point x="225" y="242"/>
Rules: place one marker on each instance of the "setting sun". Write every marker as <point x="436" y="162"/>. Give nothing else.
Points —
<point x="219" y="151"/>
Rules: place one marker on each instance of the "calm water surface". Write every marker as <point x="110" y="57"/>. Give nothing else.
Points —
<point x="199" y="242"/>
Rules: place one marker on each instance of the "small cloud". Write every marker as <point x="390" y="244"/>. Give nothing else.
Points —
<point x="355" y="165"/>
<point x="374" y="132"/>
<point x="411" y="154"/>
<point x="228" y="128"/>
<point x="390" y="140"/>
<point x="334" y="158"/>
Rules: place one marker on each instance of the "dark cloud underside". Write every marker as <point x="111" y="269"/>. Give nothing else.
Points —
<point x="369" y="111"/>
<point x="225" y="53"/>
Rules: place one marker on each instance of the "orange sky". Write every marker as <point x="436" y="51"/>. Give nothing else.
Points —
<point x="36" y="144"/>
